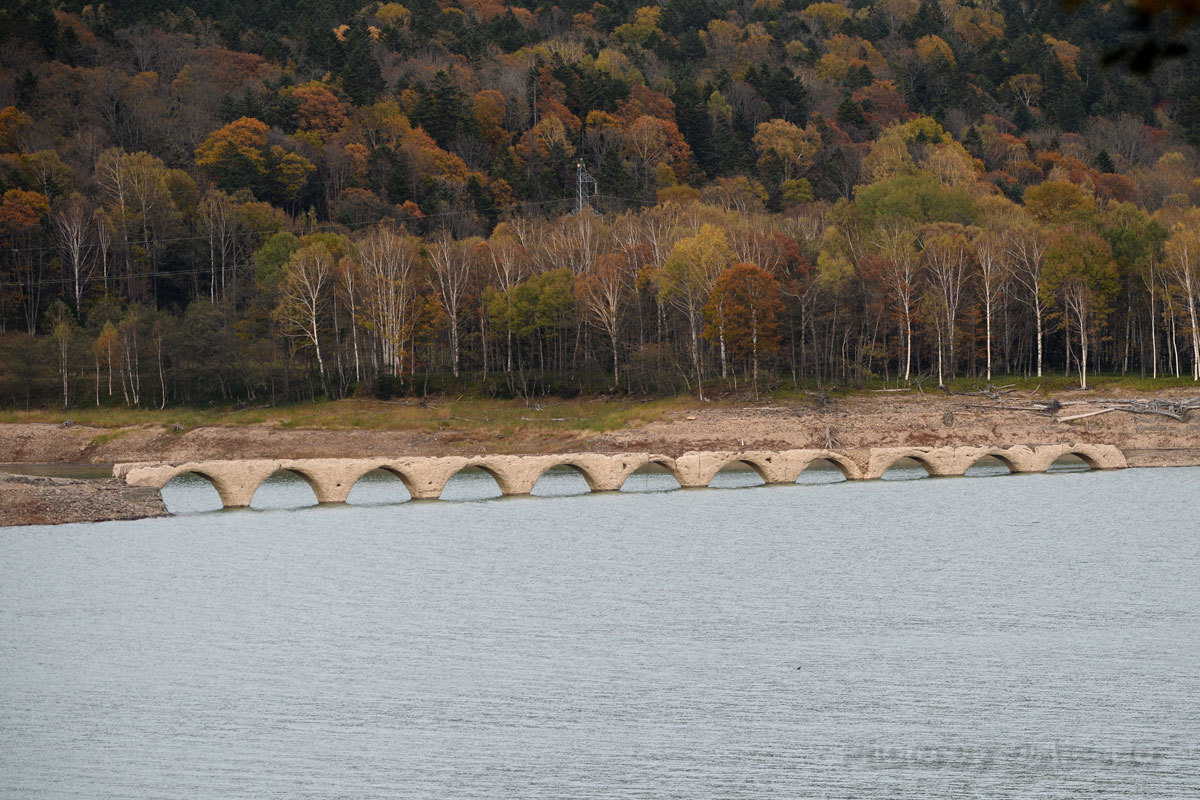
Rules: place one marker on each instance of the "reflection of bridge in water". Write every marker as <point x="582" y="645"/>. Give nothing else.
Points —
<point x="332" y="479"/>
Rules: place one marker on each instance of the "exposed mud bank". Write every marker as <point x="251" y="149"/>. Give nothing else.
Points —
<point x="863" y="421"/>
<point x="36" y="500"/>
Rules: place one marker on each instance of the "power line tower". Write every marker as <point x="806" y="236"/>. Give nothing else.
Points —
<point x="585" y="187"/>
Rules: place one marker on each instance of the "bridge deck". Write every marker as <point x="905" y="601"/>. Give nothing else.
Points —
<point x="332" y="478"/>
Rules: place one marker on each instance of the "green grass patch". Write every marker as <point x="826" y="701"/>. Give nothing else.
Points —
<point x="434" y="414"/>
<point x="509" y="417"/>
<point x="105" y="438"/>
<point x="115" y="417"/>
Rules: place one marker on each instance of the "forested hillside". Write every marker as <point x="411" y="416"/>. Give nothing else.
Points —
<point x="246" y="202"/>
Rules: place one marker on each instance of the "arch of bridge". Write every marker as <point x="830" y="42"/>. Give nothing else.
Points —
<point x="629" y="463"/>
<point x="1097" y="456"/>
<point x="600" y="471"/>
<point x="698" y="468"/>
<point x="362" y="468"/>
<point x="998" y="455"/>
<point x="800" y="460"/>
<point x="227" y="496"/>
<point x="1018" y="458"/>
<point x="772" y="467"/>
<point x="937" y="461"/>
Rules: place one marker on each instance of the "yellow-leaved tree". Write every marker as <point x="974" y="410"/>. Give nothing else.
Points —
<point x="687" y="279"/>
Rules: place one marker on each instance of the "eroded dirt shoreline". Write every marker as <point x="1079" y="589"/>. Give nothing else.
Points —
<point x="880" y="420"/>
<point x="932" y="420"/>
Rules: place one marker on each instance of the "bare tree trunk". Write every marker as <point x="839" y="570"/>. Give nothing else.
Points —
<point x="1037" y="311"/>
<point x="313" y="334"/>
<point x="483" y="342"/>
<point x="721" y="339"/>
<point x="1153" y="335"/>
<point x="1195" y="336"/>
<point x="354" y="339"/>
<point x="754" y="349"/>
<point x="988" y="324"/>
<point x="907" y="344"/>
<point x="1083" y="352"/>
<point x="1128" y="336"/>
<point x="941" y="382"/>
<point x="124" y="390"/>
<point x="162" y="381"/>
<point x="63" y="346"/>
<point x="1067" y="368"/>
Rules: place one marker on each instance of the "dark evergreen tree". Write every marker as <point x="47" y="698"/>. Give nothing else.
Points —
<point x="1062" y="97"/>
<point x="613" y="178"/>
<point x="362" y="79"/>
<point x="443" y="111"/>
<point x="481" y="202"/>
<point x="398" y="177"/>
<point x="1023" y="118"/>
<point x="691" y="47"/>
<point x="972" y="141"/>
<point x="25" y="89"/>
<point x="507" y="32"/>
<point x="691" y="116"/>
<point x="851" y="119"/>
<point x="282" y="113"/>
<point x="315" y="21"/>
<point x="928" y="21"/>
<point x="783" y="91"/>
<point x="70" y="49"/>
<point x="1187" y="111"/>
<point x="45" y="33"/>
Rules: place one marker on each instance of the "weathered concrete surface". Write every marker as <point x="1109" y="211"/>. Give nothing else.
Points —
<point x="332" y="479"/>
<point x="39" y="500"/>
<point x="941" y="461"/>
<point x="699" y="468"/>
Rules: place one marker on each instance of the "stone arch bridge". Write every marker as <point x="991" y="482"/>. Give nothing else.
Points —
<point x="331" y="479"/>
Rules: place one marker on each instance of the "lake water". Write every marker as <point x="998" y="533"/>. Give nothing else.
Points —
<point x="1032" y="636"/>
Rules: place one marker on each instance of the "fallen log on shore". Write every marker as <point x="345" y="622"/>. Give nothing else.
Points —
<point x="1178" y="410"/>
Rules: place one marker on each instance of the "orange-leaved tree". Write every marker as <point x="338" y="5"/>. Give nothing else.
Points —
<point x="745" y="305"/>
<point x="21" y="216"/>
<point x="239" y="156"/>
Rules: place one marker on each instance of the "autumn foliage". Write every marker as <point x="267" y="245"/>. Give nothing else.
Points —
<point x="297" y="202"/>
